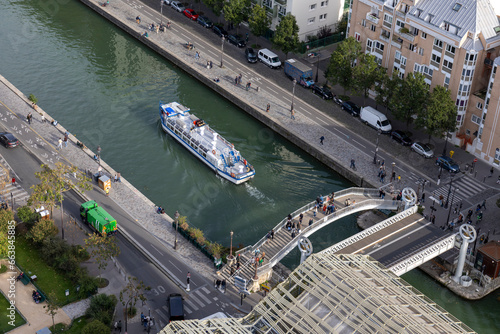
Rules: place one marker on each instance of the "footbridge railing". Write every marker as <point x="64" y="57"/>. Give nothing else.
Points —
<point x="368" y="192"/>
<point x="416" y="259"/>
<point x="371" y="230"/>
<point x="364" y="205"/>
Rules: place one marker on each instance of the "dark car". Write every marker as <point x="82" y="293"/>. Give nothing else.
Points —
<point x="324" y="92"/>
<point x="351" y="107"/>
<point x="8" y="140"/>
<point x="219" y="31"/>
<point x="175" y="306"/>
<point x="205" y="21"/>
<point x="190" y="14"/>
<point x="251" y="55"/>
<point x="235" y="40"/>
<point x="401" y="137"/>
<point x="448" y="164"/>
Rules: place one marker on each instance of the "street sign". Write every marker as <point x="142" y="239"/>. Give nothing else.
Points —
<point x="240" y="283"/>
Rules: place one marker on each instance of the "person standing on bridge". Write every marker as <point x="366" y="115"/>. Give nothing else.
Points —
<point x="272" y="234"/>
<point x="321" y="140"/>
<point x="268" y="107"/>
<point x="311" y="221"/>
<point x="353" y="164"/>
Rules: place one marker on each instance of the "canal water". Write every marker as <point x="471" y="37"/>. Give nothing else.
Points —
<point x="104" y="87"/>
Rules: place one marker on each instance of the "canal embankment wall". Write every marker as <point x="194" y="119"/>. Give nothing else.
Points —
<point x="303" y="132"/>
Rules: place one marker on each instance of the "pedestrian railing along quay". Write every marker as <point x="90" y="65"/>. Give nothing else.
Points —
<point x="364" y="205"/>
<point x="349" y="192"/>
<point x="370" y="231"/>
<point x="417" y="258"/>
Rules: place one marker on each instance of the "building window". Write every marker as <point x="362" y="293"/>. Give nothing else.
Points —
<point x="421" y="51"/>
<point x="400" y="24"/>
<point x="324" y="3"/>
<point x="424" y="35"/>
<point x="436" y="58"/>
<point x="450" y="48"/>
<point x="388" y="19"/>
<point x="357" y="36"/>
<point x="379" y="46"/>
<point x="397" y="55"/>
<point x="457" y="7"/>
<point x="403" y="61"/>
<point x="311" y="20"/>
<point x="322" y="17"/>
<point x="419" y="12"/>
<point x="416" y="68"/>
<point x="372" y="28"/>
<point x="479" y="106"/>
<point x="363" y="22"/>
<point x="475" y="119"/>
<point x="446" y="81"/>
<point x="312" y="7"/>
<point x="411" y="47"/>
<point x="369" y="44"/>
<point x="447" y="64"/>
<point x="438" y="43"/>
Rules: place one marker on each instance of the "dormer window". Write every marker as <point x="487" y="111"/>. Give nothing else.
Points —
<point x="457" y="7"/>
<point x="429" y="18"/>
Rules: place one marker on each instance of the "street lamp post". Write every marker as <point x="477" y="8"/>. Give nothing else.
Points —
<point x="231" y="247"/>
<point x="317" y="67"/>
<point x="449" y="191"/>
<point x="445" y="143"/>
<point x="376" y="147"/>
<point x="449" y="211"/>
<point x="293" y="91"/>
<point x="392" y="171"/>
<point x="222" y="51"/>
<point x="161" y="12"/>
<point x="176" y="216"/>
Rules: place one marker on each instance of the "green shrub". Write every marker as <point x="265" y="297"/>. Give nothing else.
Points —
<point x="96" y="327"/>
<point x="80" y="253"/>
<point x="88" y="284"/>
<point x="102" y="307"/>
<point x="3" y="269"/>
<point x="27" y="215"/>
<point x="42" y="230"/>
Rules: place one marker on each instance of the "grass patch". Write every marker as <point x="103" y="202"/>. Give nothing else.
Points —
<point x="4" y="326"/>
<point x="75" y="327"/>
<point x="49" y="280"/>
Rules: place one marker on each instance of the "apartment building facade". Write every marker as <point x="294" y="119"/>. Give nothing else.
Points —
<point x="311" y="15"/>
<point x="454" y="43"/>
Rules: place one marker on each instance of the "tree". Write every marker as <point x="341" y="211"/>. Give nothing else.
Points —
<point x="27" y="215"/>
<point x="6" y="218"/>
<point x="440" y="115"/>
<point x="131" y="294"/>
<point x="102" y="249"/>
<point x="42" y="229"/>
<point x="101" y="308"/>
<point x="235" y="11"/>
<point x="387" y="89"/>
<point x="411" y="98"/>
<point x="366" y="73"/>
<point x="286" y="36"/>
<point x="342" y="62"/>
<point x="95" y="327"/>
<point x="53" y="183"/>
<point x="51" y="306"/>
<point x="324" y="32"/>
<point x="259" y="22"/>
<point x="215" y="5"/>
<point x="341" y="26"/>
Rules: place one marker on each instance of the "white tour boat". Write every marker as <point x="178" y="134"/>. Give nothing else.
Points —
<point x="206" y="144"/>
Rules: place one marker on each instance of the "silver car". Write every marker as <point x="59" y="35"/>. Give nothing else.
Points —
<point x="177" y="6"/>
<point x="422" y="149"/>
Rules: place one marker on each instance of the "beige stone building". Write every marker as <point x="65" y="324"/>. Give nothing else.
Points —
<point x="454" y="43"/>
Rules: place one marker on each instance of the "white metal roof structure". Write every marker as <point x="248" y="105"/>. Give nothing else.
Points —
<point x="336" y="294"/>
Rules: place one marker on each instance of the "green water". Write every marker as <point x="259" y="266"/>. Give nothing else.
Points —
<point x="105" y="87"/>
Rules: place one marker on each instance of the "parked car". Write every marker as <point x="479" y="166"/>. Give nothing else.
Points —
<point x="269" y="58"/>
<point x="8" y="140"/>
<point x="401" y="137"/>
<point x="205" y="21"/>
<point x="235" y="40"/>
<point x="351" y="107"/>
<point x="422" y="149"/>
<point x="190" y="14"/>
<point x="175" y="306"/>
<point x="219" y="31"/>
<point x="447" y="163"/>
<point x="167" y="2"/>
<point x="178" y="6"/>
<point x="251" y="55"/>
<point x="374" y="118"/>
<point x="324" y="92"/>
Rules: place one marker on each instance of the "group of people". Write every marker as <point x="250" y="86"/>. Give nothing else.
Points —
<point x="37" y="297"/>
<point x="220" y="285"/>
<point x="160" y="210"/>
<point x="20" y="276"/>
<point x="258" y="258"/>
<point x="118" y="177"/>
<point x="147" y="321"/>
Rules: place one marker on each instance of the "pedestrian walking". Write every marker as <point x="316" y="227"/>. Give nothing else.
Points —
<point x="107" y="192"/>
<point x="321" y="140"/>
<point x="248" y="85"/>
<point x="43" y="118"/>
<point x="311" y="221"/>
<point x="423" y="198"/>
<point x="491" y="172"/>
<point x="239" y="78"/>
<point x="59" y="144"/>
<point x="120" y="326"/>
<point x="433" y="219"/>
<point x="483" y="205"/>
<point x="353" y="164"/>
<point x="119" y="177"/>
<point x="65" y="141"/>
<point x="399" y="178"/>
<point x="116" y="178"/>
<point x="157" y="28"/>
<point x="29" y="117"/>
<point x="272" y="234"/>
<point x="292" y="114"/>
<point x="236" y="80"/>
<point x="393" y="176"/>
<point x="211" y="64"/>
<point x="138" y="19"/>
<point x="197" y="55"/>
<point x="13" y="181"/>
<point x="269" y="106"/>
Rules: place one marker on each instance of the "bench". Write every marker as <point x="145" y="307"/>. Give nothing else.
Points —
<point x="25" y="279"/>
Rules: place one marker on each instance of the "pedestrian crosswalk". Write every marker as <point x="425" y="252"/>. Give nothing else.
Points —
<point x="464" y="188"/>
<point x="10" y="192"/>
<point x="196" y="301"/>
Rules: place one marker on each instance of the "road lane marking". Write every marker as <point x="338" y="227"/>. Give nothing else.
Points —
<point x="193" y="297"/>
<point x="156" y="249"/>
<point x="357" y="142"/>
<point x="203" y="297"/>
<point x="174" y="265"/>
<point x="322" y="121"/>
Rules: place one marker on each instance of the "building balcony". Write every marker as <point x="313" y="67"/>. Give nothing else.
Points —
<point x="372" y="17"/>
<point x="481" y="94"/>
<point x="385" y="36"/>
<point x="397" y="42"/>
<point x="401" y="14"/>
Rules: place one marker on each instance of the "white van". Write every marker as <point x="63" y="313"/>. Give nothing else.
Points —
<point x="375" y="119"/>
<point x="269" y="58"/>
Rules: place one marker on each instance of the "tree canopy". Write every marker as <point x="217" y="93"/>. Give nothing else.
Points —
<point x="366" y="73"/>
<point x="342" y="62"/>
<point x="258" y="21"/>
<point x="215" y="5"/>
<point x="101" y="249"/>
<point x="440" y="115"/>
<point x="411" y="98"/>
<point x="387" y="89"/>
<point x="286" y="36"/>
<point x="235" y="11"/>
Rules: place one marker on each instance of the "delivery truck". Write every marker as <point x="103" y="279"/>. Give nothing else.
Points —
<point x="96" y="217"/>
<point x="300" y="72"/>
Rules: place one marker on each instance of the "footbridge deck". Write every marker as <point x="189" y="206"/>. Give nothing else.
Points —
<point x="277" y="248"/>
